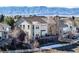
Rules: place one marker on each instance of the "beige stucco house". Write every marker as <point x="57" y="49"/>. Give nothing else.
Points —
<point x="52" y="22"/>
<point x="33" y="26"/>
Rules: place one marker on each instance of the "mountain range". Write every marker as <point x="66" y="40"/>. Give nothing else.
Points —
<point x="39" y="10"/>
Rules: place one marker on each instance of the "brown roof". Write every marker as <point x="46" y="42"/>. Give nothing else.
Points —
<point x="51" y="20"/>
<point x="34" y="18"/>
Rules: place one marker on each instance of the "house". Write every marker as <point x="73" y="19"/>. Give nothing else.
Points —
<point x="67" y="27"/>
<point x="33" y="26"/>
<point x="4" y="31"/>
<point x="52" y="22"/>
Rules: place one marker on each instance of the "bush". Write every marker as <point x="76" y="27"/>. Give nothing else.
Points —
<point x="9" y="20"/>
<point x="1" y="18"/>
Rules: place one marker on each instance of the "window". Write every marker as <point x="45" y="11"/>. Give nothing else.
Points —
<point x="33" y="27"/>
<point x="23" y="26"/>
<point x="43" y="30"/>
<point x="5" y="36"/>
<point x="5" y="32"/>
<point x="65" y="25"/>
<point x="0" y="37"/>
<point x="20" y="26"/>
<point x="71" y="27"/>
<point x="3" y="27"/>
<point x="37" y="35"/>
<point x="37" y="27"/>
<point x="28" y="26"/>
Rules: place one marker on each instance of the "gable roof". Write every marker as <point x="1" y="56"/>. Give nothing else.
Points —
<point x="3" y="26"/>
<point x="32" y="19"/>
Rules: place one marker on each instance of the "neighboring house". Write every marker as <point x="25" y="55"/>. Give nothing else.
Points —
<point x="52" y="22"/>
<point x="4" y="31"/>
<point x="33" y="25"/>
<point x="67" y="26"/>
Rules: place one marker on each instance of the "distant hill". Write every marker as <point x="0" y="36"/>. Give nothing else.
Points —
<point x="40" y="10"/>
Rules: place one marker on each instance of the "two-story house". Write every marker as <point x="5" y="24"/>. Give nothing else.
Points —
<point x="33" y="26"/>
<point x="4" y="31"/>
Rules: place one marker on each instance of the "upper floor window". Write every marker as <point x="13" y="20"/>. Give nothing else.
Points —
<point x="28" y="26"/>
<point x="5" y="32"/>
<point x="23" y="26"/>
<point x="33" y="27"/>
<point x="20" y="26"/>
<point x="37" y="27"/>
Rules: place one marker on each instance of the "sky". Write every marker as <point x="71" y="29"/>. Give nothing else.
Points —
<point x="48" y="3"/>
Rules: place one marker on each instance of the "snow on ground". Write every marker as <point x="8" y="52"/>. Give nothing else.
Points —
<point x="54" y="46"/>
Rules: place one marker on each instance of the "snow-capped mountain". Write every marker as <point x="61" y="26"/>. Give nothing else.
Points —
<point x="40" y="10"/>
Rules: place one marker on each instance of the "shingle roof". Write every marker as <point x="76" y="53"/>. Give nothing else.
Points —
<point x="3" y="26"/>
<point x="33" y="18"/>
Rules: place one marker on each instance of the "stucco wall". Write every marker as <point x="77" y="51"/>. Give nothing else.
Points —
<point x="26" y="30"/>
<point x="41" y="27"/>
